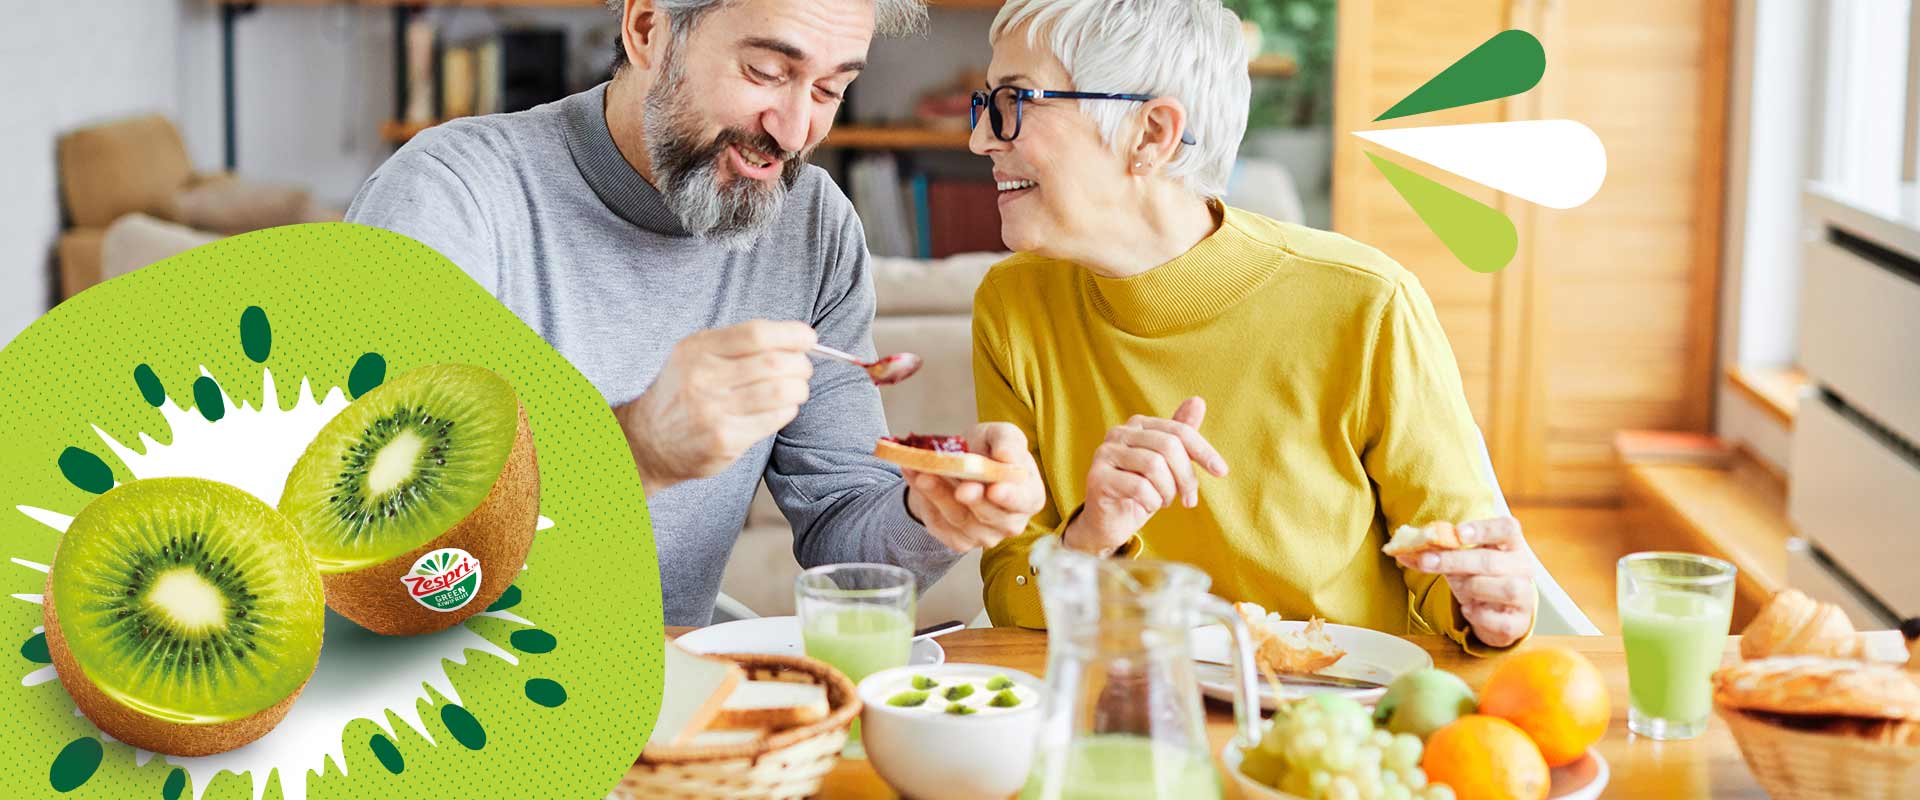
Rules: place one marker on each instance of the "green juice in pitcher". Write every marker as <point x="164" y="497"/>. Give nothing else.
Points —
<point x="1124" y="767"/>
<point x="1674" y="640"/>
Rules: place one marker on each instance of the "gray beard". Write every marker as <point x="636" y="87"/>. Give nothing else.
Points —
<point x="731" y="214"/>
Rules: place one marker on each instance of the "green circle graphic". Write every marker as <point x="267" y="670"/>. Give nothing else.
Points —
<point x="209" y="364"/>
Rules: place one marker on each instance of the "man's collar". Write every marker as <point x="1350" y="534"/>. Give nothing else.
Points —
<point x="607" y="171"/>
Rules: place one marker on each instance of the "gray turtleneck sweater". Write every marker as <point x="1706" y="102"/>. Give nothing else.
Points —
<point x="542" y="210"/>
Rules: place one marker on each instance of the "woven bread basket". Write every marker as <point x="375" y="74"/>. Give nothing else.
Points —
<point x="786" y="764"/>
<point x="1799" y="764"/>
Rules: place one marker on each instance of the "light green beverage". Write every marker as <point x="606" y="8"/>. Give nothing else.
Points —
<point x="1123" y="767"/>
<point x="1674" y="639"/>
<point x="858" y="640"/>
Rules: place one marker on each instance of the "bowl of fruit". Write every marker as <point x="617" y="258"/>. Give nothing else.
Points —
<point x="1527" y="735"/>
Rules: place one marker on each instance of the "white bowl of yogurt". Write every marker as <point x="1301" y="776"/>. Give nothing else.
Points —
<point x="951" y="731"/>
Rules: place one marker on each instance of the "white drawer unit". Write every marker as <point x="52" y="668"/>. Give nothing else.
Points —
<point x="1812" y="572"/>
<point x="1856" y="495"/>
<point x="1860" y="328"/>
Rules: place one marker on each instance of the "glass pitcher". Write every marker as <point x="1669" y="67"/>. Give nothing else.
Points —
<point x="1123" y="717"/>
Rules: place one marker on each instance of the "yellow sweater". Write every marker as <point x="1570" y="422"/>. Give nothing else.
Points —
<point x="1331" y="392"/>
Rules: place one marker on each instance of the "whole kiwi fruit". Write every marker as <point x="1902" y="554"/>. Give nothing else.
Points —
<point x="419" y="500"/>
<point x="183" y="615"/>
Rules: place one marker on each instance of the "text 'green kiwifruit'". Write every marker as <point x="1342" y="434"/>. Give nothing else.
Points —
<point x="420" y="499"/>
<point x="183" y="615"/>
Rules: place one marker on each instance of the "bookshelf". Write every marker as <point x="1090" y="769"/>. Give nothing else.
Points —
<point x="880" y="137"/>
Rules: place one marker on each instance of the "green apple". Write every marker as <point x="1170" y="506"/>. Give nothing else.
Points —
<point x="1422" y="701"/>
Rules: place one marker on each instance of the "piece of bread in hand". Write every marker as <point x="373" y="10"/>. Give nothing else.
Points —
<point x="1301" y="652"/>
<point x="773" y="705"/>
<point x="1793" y="624"/>
<point x="1409" y="540"/>
<point x="946" y="463"/>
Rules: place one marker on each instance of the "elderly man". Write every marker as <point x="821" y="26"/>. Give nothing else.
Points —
<point x="664" y="233"/>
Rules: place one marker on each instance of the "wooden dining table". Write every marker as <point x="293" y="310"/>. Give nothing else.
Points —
<point x="1706" y="766"/>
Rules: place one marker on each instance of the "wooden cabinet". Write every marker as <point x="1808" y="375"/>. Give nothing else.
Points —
<point x="1605" y="318"/>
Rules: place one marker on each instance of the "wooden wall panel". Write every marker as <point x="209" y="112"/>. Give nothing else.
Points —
<point x="1606" y="318"/>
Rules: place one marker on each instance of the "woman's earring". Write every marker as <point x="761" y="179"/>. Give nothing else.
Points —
<point x="1139" y="166"/>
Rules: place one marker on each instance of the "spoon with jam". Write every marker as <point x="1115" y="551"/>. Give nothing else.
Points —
<point x="884" y="371"/>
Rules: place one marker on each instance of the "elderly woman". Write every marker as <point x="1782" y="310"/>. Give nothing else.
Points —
<point x="1146" y="334"/>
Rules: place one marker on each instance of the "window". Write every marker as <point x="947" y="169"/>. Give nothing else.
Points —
<point x="1864" y="123"/>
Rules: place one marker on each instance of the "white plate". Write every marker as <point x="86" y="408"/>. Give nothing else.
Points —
<point x="1888" y="646"/>
<point x="779" y="636"/>
<point x="1580" y="780"/>
<point x="1371" y="655"/>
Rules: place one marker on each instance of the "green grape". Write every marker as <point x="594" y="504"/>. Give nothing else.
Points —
<point x="1389" y="777"/>
<point x="1312" y="741"/>
<point x="1395" y="792"/>
<point x="1275" y="742"/>
<point x="1318" y="781"/>
<point x="1414" y="777"/>
<point x="1382" y="738"/>
<point x="1338" y="755"/>
<point x="1366" y="778"/>
<point x="1341" y="789"/>
<point x="1439" y="791"/>
<point x="1404" y="751"/>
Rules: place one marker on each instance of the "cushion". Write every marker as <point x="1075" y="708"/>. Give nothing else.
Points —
<point x="121" y="167"/>
<point x="945" y="286"/>
<point x="137" y="240"/>
<point x="233" y="206"/>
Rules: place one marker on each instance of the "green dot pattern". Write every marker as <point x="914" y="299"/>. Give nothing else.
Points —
<point x="334" y="293"/>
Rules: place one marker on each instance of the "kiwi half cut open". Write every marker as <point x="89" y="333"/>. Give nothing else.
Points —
<point x="419" y="500"/>
<point x="183" y="615"/>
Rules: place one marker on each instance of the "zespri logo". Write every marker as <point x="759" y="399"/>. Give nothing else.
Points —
<point x="444" y="579"/>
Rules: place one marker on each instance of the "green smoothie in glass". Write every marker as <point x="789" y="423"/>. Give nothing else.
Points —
<point x="857" y="618"/>
<point x="1674" y="614"/>
<point x="1124" y="767"/>
<point x="859" y="640"/>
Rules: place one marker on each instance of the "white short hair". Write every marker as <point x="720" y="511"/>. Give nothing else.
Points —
<point x="1189" y="50"/>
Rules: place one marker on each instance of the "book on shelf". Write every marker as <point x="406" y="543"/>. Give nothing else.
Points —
<point x="963" y="217"/>
<point x="884" y="206"/>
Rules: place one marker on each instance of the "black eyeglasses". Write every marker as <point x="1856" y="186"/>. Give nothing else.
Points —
<point x="1004" y="103"/>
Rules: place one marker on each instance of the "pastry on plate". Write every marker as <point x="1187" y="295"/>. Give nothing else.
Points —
<point x="1301" y="652"/>
<point x="1793" y="624"/>
<point x="1811" y="685"/>
<point x="942" y="455"/>
<point x="1409" y="540"/>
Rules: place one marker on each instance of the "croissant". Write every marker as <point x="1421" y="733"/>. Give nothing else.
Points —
<point x="1793" y="624"/>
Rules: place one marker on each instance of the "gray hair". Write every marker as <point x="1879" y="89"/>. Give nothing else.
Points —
<point x="1189" y="50"/>
<point x="891" y="18"/>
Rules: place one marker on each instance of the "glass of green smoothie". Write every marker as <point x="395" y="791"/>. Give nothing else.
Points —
<point x="1674" y="613"/>
<point x="858" y="618"/>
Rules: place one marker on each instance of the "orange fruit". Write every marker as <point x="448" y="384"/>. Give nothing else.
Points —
<point x="1485" y="758"/>
<point x="1556" y="695"/>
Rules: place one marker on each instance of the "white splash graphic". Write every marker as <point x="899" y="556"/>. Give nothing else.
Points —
<point x="361" y="675"/>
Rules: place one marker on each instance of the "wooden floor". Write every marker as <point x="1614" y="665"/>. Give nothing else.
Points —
<point x="1579" y="545"/>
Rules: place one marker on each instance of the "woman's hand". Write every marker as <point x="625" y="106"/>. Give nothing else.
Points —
<point x="1143" y="466"/>
<point x="966" y="515"/>
<point x="1492" y="581"/>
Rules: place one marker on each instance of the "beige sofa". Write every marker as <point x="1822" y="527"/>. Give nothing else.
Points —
<point x="924" y="307"/>
<point x="132" y="197"/>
